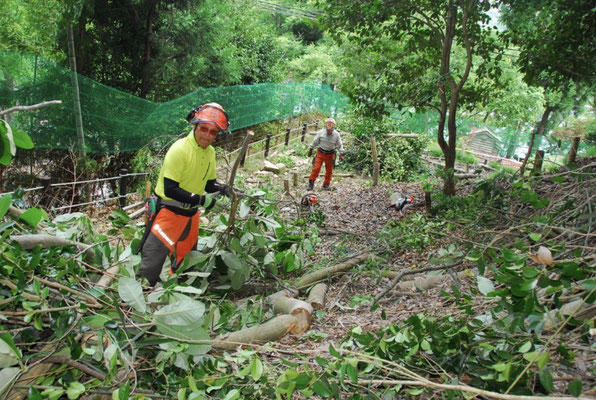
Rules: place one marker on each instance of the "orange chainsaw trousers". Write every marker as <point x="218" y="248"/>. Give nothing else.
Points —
<point x="321" y="158"/>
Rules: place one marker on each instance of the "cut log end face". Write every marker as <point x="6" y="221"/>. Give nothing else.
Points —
<point x="303" y="318"/>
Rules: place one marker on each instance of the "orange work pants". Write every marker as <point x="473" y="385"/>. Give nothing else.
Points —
<point x="321" y="158"/>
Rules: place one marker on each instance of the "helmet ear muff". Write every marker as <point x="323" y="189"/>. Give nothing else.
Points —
<point x="191" y="114"/>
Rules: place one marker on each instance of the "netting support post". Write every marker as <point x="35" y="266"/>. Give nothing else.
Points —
<point x="287" y="136"/>
<point x="267" y="143"/>
<point x="303" y="132"/>
<point x="123" y="186"/>
<point x="46" y="198"/>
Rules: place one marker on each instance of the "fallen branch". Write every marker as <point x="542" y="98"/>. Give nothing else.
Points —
<point x="400" y="275"/>
<point x="45" y="240"/>
<point x="271" y="330"/>
<point x="316" y="297"/>
<point x="324" y="273"/>
<point x="108" y="276"/>
<point x="92" y="301"/>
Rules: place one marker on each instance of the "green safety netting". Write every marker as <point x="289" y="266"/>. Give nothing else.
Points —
<point x="114" y="121"/>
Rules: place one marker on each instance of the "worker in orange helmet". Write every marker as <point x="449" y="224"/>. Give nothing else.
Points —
<point x="328" y="142"/>
<point x="187" y="172"/>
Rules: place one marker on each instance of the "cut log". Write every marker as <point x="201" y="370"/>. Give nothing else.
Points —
<point x="269" y="331"/>
<point x="421" y="283"/>
<point x="45" y="240"/>
<point x="324" y="273"/>
<point x="298" y="308"/>
<point x="581" y="311"/>
<point x="316" y="297"/>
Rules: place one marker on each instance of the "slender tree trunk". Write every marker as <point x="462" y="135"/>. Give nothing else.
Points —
<point x="75" y="91"/>
<point x="538" y="131"/>
<point x="147" y="56"/>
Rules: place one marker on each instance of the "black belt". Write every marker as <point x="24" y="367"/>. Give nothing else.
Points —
<point x="326" y="151"/>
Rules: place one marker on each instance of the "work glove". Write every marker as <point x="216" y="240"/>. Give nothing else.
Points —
<point x="212" y="205"/>
<point x="341" y="157"/>
<point x="226" y="190"/>
<point x="310" y="152"/>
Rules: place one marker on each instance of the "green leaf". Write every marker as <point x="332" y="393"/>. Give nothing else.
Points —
<point x="546" y="380"/>
<point x="575" y="387"/>
<point x="256" y="369"/>
<point x="32" y="216"/>
<point x="485" y="285"/>
<point x="9" y="353"/>
<point x="131" y="293"/>
<point x="4" y="204"/>
<point x="196" y="334"/>
<point x="589" y="284"/>
<point x="232" y="260"/>
<point x="322" y="388"/>
<point x="535" y="236"/>
<point x="524" y="348"/>
<point x="334" y="352"/>
<point x="182" y="313"/>
<point x="7" y="376"/>
<point x="22" y="139"/>
<point x="352" y="373"/>
<point x="244" y="209"/>
<point x="7" y="132"/>
<point x="5" y="155"/>
<point x="232" y="395"/>
<point x="75" y="389"/>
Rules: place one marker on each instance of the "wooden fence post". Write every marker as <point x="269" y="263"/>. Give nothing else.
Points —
<point x="573" y="151"/>
<point x="267" y="143"/>
<point x="376" y="164"/>
<point x="286" y="186"/>
<point x="303" y="132"/>
<point x="287" y="136"/>
<point x="538" y="159"/>
<point x="427" y="201"/>
<point x="123" y="186"/>
<point x="295" y="178"/>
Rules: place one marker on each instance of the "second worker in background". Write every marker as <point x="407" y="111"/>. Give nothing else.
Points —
<point x="328" y="142"/>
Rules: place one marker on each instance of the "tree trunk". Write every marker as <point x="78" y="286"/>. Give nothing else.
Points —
<point x="147" y="55"/>
<point x="538" y="131"/>
<point x="75" y="91"/>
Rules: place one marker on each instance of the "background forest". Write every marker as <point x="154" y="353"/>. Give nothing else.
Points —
<point x="501" y="304"/>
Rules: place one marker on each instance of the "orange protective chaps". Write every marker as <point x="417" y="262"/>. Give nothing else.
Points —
<point x="169" y="227"/>
<point x="321" y="158"/>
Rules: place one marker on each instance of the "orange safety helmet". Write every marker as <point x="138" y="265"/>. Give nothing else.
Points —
<point x="211" y="113"/>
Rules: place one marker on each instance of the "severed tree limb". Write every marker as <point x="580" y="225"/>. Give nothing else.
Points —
<point x="269" y="331"/>
<point x="297" y="308"/>
<point x="398" y="277"/>
<point x="108" y="276"/>
<point x="29" y="108"/>
<point x="31" y="240"/>
<point x="316" y="297"/>
<point x="324" y="273"/>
